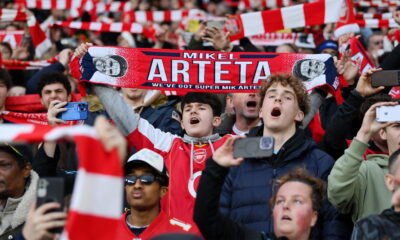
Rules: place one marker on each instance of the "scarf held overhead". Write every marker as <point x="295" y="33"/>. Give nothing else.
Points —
<point x="218" y="72"/>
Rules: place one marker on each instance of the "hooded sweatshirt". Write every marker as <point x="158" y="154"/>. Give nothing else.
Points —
<point x="184" y="157"/>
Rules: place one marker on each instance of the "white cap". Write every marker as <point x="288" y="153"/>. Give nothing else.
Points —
<point x="150" y="157"/>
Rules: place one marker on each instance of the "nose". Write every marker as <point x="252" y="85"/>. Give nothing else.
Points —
<point x="138" y="184"/>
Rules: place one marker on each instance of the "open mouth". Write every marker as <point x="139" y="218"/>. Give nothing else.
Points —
<point x="286" y="218"/>
<point x="276" y="112"/>
<point x="194" y="120"/>
<point x="251" y="104"/>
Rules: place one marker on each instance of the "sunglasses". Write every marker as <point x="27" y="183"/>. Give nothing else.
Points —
<point x="145" y="179"/>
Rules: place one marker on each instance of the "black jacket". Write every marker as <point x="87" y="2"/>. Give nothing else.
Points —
<point x="212" y="224"/>
<point x="383" y="226"/>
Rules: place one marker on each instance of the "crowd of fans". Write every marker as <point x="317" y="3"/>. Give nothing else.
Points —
<point x="334" y="172"/>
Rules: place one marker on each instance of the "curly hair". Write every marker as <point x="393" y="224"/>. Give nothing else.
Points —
<point x="317" y="185"/>
<point x="288" y="80"/>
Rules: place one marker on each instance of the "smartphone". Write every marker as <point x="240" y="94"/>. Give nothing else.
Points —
<point x="216" y="23"/>
<point x="254" y="147"/>
<point x="75" y="111"/>
<point x="51" y="189"/>
<point x="388" y="113"/>
<point x="387" y="78"/>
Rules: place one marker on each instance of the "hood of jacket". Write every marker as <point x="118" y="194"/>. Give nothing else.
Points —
<point x="381" y="159"/>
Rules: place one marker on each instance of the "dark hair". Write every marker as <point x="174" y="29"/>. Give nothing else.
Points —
<point x="5" y="78"/>
<point x="371" y="100"/>
<point x="392" y="160"/>
<point x="21" y="153"/>
<point x="51" y="77"/>
<point x="318" y="186"/>
<point x="203" y="97"/>
<point x="122" y="63"/>
<point x="288" y="80"/>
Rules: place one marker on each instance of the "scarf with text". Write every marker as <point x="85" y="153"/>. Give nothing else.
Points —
<point x="95" y="207"/>
<point x="185" y="71"/>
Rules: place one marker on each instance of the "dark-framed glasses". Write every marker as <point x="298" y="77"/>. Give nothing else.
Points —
<point x="145" y="179"/>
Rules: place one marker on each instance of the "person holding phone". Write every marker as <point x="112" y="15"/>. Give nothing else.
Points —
<point x="355" y="186"/>
<point x="284" y="103"/>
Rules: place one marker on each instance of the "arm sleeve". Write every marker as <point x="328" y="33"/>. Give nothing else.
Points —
<point x="46" y="166"/>
<point x="212" y="224"/>
<point x="120" y="112"/>
<point x="345" y="182"/>
<point x="139" y="132"/>
<point x="341" y="125"/>
<point x="32" y="84"/>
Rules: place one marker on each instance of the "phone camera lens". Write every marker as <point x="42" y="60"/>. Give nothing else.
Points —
<point x="266" y="143"/>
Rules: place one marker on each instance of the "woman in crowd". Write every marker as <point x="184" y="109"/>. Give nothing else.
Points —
<point x="295" y="202"/>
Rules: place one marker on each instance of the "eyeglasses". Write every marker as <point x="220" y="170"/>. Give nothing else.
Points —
<point x="145" y="179"/>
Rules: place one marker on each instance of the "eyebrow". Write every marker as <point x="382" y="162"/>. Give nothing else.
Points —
<point x="284" y="91"/>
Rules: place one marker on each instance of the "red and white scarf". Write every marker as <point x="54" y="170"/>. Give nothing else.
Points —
<point x="249" y="4"/>
<point x="109" y="27"/>
<point x="308" y="14"/>
<point x="13" y="37"/>
<point x="27" y="65"/>
<point x="361" y="16"/>
<point x="377" y="4"/>
<point x="9" y="15"/>
<point x="96" y="201"/>
<point x="378" y="23"/>
<point x="39" y="38"/>
<point x="161" y="16"/>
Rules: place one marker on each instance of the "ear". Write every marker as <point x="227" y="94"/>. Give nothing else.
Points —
<point x="382" y="134"/>
<point x="299" y="116"/>
<point x="183" y="128"/>
<point x="216" y="121"/>
<point x="26" y="171"/>
<point x="163" y="191"/>
<point x="389" y="181"/>
<point x="314" y="219"/>
<point x="69" y="98"/>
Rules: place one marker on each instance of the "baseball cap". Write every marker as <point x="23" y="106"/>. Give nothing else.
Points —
<point x="328" y="44"/>
<point x="151" y="158"/>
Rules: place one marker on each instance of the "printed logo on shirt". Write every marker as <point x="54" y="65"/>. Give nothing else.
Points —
<point x="181" y="224"/>
<point x="192" y="184"/>
<point x="200" y="155"/>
